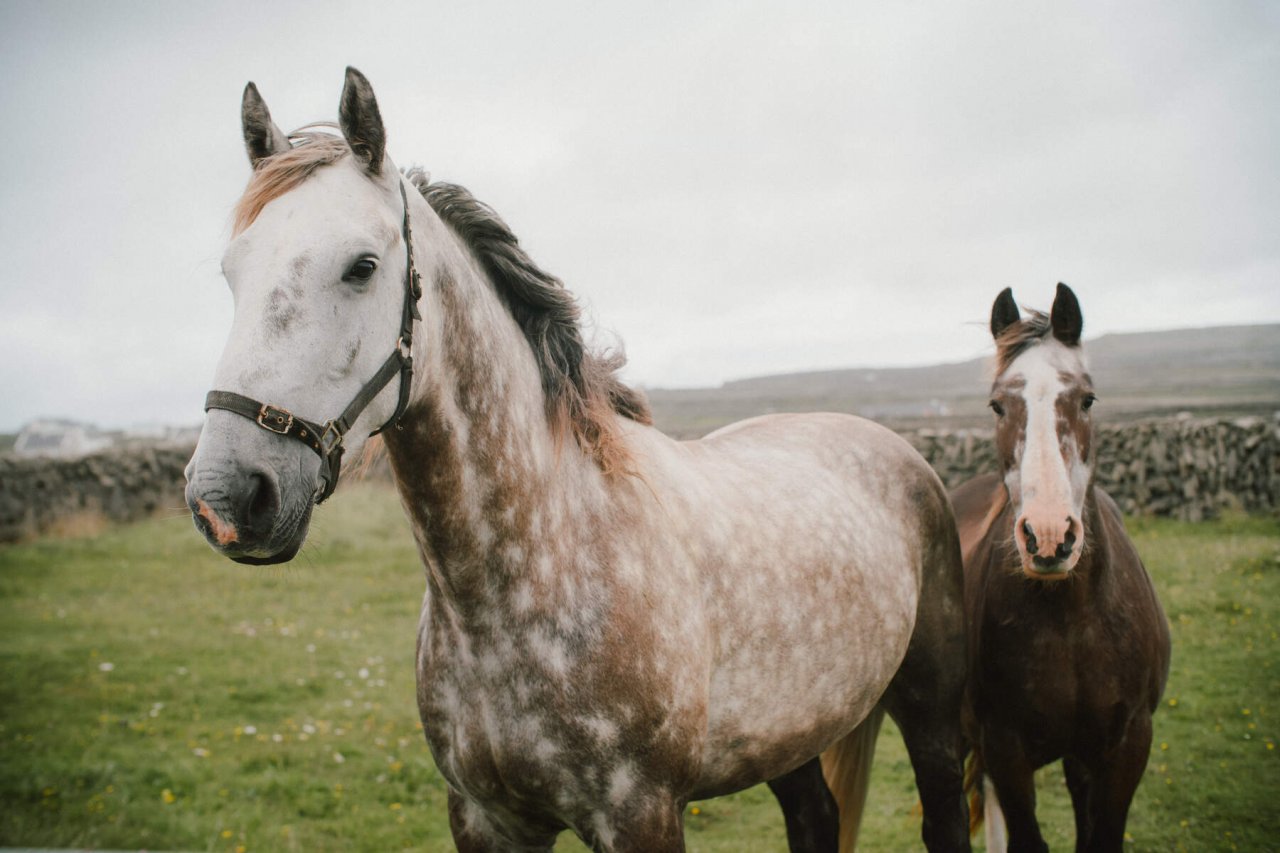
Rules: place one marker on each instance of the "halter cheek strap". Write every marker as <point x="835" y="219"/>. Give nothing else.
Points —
<point x="326" y="439"/>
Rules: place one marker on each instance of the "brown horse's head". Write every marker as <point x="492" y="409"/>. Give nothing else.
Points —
<point x="1042" y="396"/>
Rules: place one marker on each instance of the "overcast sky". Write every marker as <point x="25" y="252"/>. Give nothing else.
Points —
<point x="732" y="189"/>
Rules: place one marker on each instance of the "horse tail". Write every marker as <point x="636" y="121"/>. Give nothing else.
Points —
<point x="973" y="787"/>
<point x="847" y="768"/>
<point x="984" y="805"/>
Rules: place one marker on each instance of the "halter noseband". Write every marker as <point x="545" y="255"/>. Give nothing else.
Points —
<point x="326" y="439"/>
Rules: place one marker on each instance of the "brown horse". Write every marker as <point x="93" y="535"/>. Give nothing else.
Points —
<point x="615" y="623"/>
<point x="1068" y="644"/>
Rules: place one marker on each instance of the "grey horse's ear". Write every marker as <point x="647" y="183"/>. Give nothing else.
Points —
<point x="361" y="122"/>
<point x="1004" y="313"/>
<point x="1065" y="316"/>
<point x="261" y="136"/>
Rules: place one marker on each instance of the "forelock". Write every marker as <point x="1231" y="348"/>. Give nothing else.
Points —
<point x="1018" y="337"/>
<point x="280" y="173"/>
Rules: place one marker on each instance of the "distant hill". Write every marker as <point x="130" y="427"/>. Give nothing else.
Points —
<point x="1226" y="370"/>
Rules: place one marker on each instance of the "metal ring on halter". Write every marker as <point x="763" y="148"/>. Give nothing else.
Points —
<point x="326" y="439"/>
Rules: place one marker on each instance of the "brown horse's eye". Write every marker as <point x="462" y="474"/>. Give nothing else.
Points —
<point x="996" y="407"/>
<point x="1087" y="403"/>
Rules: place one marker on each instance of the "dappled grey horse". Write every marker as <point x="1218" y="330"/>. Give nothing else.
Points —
<point x="615" y="623"/>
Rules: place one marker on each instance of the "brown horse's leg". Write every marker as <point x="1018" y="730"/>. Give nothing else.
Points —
<point x="1014" y="778"/>
<point x="1078" y="784"/>
<point x="1112" y="785"/>
<point x="810" y="812"/>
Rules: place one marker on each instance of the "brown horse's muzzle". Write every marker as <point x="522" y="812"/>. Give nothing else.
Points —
<point x="1048" y="543"/>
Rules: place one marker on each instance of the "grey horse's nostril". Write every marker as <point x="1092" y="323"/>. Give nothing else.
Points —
<point x="202" y="523"/>
<point x="262" y="498"/>
<point x="1031" y="538"/>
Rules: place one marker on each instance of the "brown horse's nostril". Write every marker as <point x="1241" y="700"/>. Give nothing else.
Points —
<point x="1031" y="537"/>
<point x="1068" y="540"/>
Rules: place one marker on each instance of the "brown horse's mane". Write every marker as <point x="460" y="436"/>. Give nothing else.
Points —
<point x="583" y="393"/>
<point x="1020" y="336"/>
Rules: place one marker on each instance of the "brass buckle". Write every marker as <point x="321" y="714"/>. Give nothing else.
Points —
<point x="275" y="420"/>
<point x="331" y="428"/>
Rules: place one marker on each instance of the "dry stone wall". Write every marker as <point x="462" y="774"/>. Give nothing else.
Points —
<point x="1187" y="469"/>
<point x="41" y="495"/>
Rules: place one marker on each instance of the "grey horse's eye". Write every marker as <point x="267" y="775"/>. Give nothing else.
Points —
<point x="361" y="271"/>
<point x="1087" y="403"/>
<point x="997" y="408"/>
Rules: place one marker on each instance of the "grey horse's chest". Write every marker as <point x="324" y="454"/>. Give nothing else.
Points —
<point x="534" y="713"/>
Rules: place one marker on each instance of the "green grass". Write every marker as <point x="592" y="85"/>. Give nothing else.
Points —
<point x="155" y="695"/>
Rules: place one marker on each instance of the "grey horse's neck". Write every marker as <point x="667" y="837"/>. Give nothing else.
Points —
<point x="482" y="477"/>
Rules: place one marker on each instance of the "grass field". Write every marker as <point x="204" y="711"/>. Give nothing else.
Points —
<point x="155" y="695"/>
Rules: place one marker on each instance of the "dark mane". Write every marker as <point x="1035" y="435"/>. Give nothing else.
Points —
<point x="1018" y="337"/>
<point x="583" y="392"/>
<point x="584" y="395"/>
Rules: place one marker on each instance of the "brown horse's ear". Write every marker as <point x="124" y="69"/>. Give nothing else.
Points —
<point x="361" y="122"/>
<point x="1004" y="313"/>
<point x="261" y="136"/>
<point x="1065" y="317"/>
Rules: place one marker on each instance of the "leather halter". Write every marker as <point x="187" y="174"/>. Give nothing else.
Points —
<point x="326" y="439"/>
